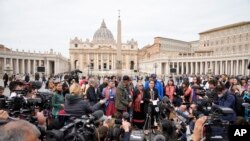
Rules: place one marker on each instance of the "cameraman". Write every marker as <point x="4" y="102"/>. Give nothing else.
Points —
<point x="15" y="86"/>
<point x="226" y="99"/>
<point x="75" y="105"/>
<point x="211" y="93"/>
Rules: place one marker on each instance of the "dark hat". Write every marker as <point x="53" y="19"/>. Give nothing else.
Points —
<point x="153" y="75"/>
<point x="125" y="77"/>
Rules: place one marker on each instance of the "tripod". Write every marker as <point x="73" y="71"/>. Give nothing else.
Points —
<point x="148" y="120"/>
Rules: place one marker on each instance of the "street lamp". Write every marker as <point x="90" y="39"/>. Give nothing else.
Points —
<point x="155" y="66"/>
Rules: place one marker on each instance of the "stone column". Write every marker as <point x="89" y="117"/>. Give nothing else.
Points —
<point x="168" y="69"/>
<point x="34" y="66"/>
<point x="220" y="70"/>
<point x="47" y="68"/>
<point x="28" y="67"/>
<point x="182" y="68"/>
<point x="206" y="67"/>
<point x="101" y="61"/>
<point x="177" y="68"/>
<point x="242" y="66"/>
<point x="23" y="70"/>
<point x="196" y="68"/>
<point x="237" y="67"/>
<point x="11" y="64"/>
<point x="81" y="62"/>
<point x="191" y="65"/>
<point x="216" y="67"/>
<point x="4" y="64"/>
<point x="232" y="63"/>
<point x="211" y="66"/>
<point x="226" y="68"/>
<point x="201" y="67"/>
<point x="17" y="66"/>
<point x="112" y="62"/>
<point x="108" y="61"/>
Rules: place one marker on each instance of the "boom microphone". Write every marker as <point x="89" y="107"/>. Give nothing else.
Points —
<point x="97" y="115"/>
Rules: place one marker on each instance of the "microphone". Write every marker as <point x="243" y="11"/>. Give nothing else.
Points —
<point x="97" y="116"/>
<point x="165" y="99"/>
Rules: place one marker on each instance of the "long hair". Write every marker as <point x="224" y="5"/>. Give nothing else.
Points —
<point x="171" y="81"/>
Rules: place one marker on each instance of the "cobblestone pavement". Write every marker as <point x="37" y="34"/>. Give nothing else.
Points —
<point x="6" y="90"/>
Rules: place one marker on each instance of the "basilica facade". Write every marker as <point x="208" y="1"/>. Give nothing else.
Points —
<point x="99" y="56"/>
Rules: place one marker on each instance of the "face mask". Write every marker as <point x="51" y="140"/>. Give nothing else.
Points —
<point x="220" y="95"/>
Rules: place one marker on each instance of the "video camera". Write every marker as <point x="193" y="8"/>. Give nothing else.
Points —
<point x="74" y="75"/>
<point x="165" y="107"/>
<point x="78" y="129"/>
<point x="199" y="90"/>
<point x="216" y="127"/>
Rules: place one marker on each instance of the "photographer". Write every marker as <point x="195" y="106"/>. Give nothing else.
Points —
<point x="211" y="93"/>
<point x="226" y="99"/>
<point x="15" y="87"/>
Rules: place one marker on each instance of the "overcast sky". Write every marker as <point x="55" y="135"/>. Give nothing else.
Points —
<point x="44" y="24"/>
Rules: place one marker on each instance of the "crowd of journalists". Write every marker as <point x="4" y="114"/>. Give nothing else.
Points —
<point x="137" y="97"/>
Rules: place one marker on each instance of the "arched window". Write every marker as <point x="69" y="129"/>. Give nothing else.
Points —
<point x="132" y="64"/>
<point x="76" y="64"/>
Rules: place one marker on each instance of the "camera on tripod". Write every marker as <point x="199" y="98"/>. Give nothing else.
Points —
<point x="79" y="129"/>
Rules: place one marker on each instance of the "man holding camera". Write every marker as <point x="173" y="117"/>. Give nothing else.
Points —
<point x="211" y="93"/>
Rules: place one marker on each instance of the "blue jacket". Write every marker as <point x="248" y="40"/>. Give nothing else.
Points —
<point x="228" y="100"/>
<point x="158" y="86"/>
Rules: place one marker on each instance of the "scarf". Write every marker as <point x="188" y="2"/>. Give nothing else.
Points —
<point x="137" y="105"/>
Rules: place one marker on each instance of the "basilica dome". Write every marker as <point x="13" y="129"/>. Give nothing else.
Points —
<point x="103" y="35"/>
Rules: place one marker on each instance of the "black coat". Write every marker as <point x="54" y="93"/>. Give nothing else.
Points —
<point x="92" y="95"/>
<point x="146" y="97"/>
<point x="75" y="105"/>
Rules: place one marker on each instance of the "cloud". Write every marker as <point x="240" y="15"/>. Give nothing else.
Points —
<point x="45" y="24"/>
